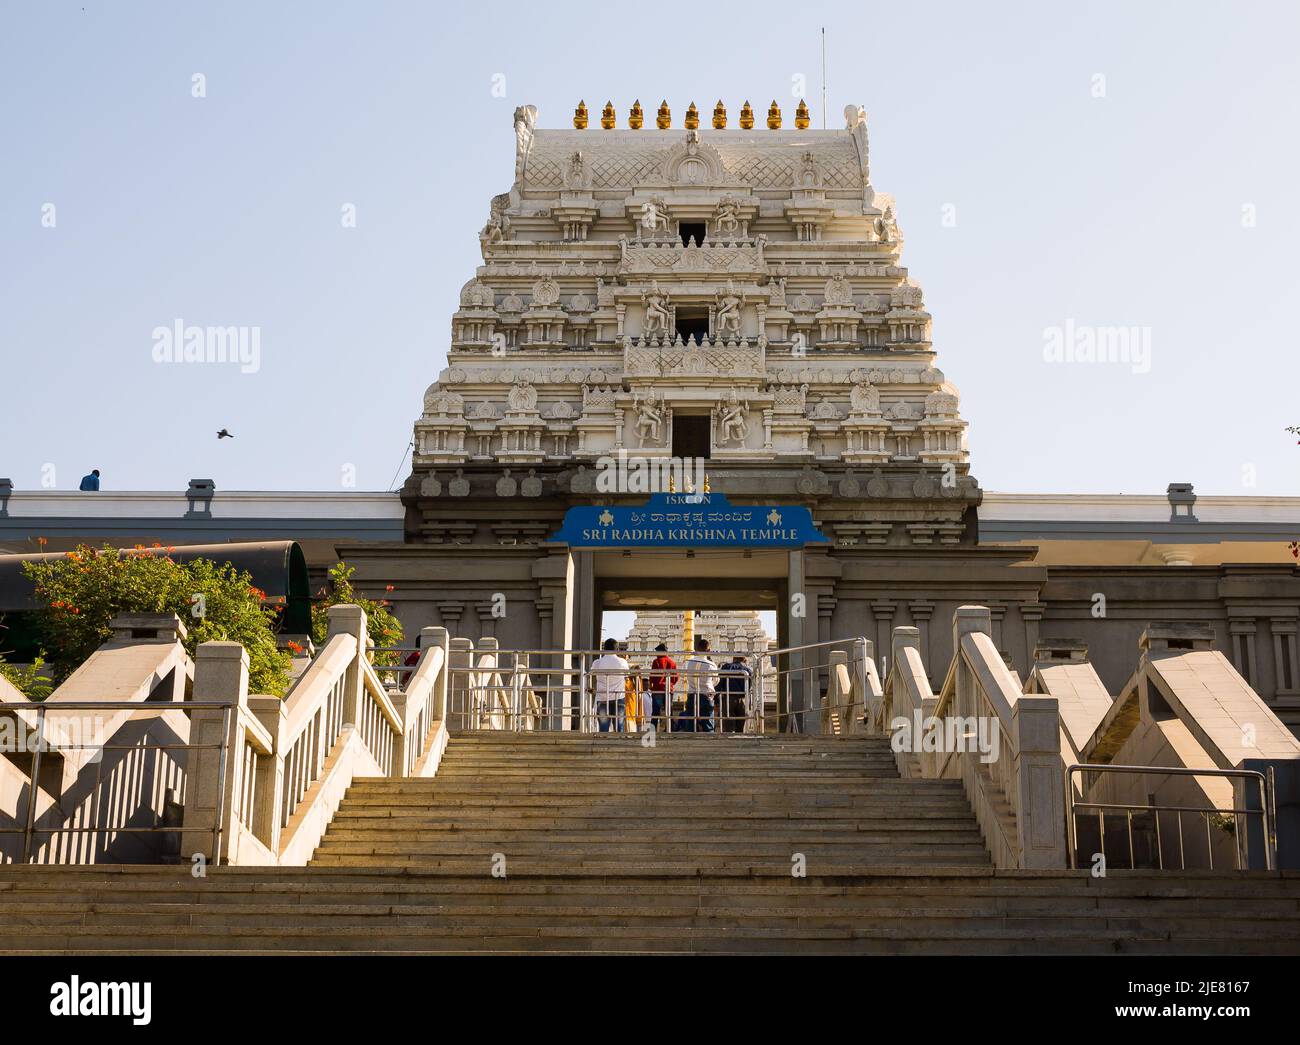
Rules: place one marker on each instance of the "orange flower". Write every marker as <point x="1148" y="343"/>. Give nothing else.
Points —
<point x="41" y="541"/>
<point x="295" y="647"/>
<point x="388" y="588"/>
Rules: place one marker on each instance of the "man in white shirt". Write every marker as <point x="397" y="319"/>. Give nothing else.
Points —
<point x="610" y="674"/>
<point x="700" y="675"/>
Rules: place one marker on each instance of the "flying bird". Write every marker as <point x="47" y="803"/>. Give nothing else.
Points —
<point x="223" y="434"/>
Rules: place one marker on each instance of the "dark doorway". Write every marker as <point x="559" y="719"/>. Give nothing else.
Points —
<point x="693" y="323"/>
<point x="691" y="435"/>
<point x="691" y="230"/>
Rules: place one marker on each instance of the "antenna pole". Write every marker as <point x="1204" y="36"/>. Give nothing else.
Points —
<point x="823" y="78"/>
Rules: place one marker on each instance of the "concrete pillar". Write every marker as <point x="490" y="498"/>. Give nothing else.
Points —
<point x="215" y="761"/>
<point x="791" y="702"/>
<point x="459" y="655"/>
<point x="431" y="639"/>
<point x="351" y="621"/>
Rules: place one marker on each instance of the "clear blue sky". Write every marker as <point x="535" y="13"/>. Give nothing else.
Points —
<point x="1118" y="210"/>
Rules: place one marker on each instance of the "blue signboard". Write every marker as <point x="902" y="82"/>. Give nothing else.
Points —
<point x="683" y="520"/>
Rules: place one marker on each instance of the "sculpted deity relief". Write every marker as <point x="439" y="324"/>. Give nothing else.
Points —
<point x="657" y="317"/>
<point x="522" y="398"/>
<point x="654" y="217"/>
<point x="733" y="423"/>
<point x="649" y="416"/>
<point x="864" y="398"/>
<point x="728" y="311"/>
<point x="887" y="226"/>
<point x="726" y="218"/>
<point x="576" y="175"/>
<point x="839" y="292"/>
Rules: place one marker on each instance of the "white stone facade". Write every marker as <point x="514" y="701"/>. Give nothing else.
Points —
<point x="631" y="277"/>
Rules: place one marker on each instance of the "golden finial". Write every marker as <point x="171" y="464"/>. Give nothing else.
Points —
<point x="746" y="116"/>
<point x="672" y="483"/>
<point x="719" y="116"/>
<point x="663" y="119"/>
<point x="580" y="117"/>
<point x="636" y="117"/>
<point x="706" y="483"/>
<point x="607" y="118"/>
<point x="801" y="116"/>
<point x="774" y="117"/>
<point x="692" y="118"/>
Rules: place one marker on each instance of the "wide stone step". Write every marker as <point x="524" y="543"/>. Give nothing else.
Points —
<point x="968" y="936"/>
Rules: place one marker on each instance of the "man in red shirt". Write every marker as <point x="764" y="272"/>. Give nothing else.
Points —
<point x="663" y="678"/>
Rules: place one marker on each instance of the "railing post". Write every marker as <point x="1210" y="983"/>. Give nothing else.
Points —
<point x="430" y="639"/>
<point x="213" y="770"/>
<point x="460" y="658"/>
<point x="967" y="620"/>
<point x="269" y="793"/>
<point x="351" y="621"/>
<point x="1041" y="801"/>
<point x="839" y="699"/>
<point x="863" y="709"/>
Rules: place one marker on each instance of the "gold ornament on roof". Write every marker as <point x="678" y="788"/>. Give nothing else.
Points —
<point x="746" y="116"/>
<point x="580" y="117"/>
<point x="706" y="483"/>
<point x="672" y="483"/>
<point x="636" y="117"/>
<point x="774" y="117"/>
<point x="663" y="118"/>
<point x="607" y="117"/>
<point x="692" y="118"/>
<point x="801" y="120"/>
<point x="719" y="116"/>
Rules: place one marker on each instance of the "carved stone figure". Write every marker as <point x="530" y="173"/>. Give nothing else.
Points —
<point x="887" y="226"/>
<point x="649" y="416"/>
<point x="523" y="398"/>
<point x="839" y="292"/>
<point x="728" y="311"/>
<point x="732" y="419"/>
<point x="807" y="172"/>
<point x="654" y="217"/>
<point x="656" y="311"/>
<point x="727" y="217"/>
<point x="575" y="175"/>
<point x="864" y="398"/>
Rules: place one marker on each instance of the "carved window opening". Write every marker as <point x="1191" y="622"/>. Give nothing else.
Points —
<point x="692" y="323"/>
<point x="691" y="435"/>
<point x="692" y="230"/>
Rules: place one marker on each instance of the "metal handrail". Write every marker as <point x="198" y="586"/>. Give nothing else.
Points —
<point x="492" y="691"/>
<point x="42" y="710"/>
<point x="1267" y="820"/>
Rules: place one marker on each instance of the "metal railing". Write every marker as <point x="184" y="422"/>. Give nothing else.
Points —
<point x="1233" y="820"/>
<point x="118" y="772"/>
<point x="776" y="690"/>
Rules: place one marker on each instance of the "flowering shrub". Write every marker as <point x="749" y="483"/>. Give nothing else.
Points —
<point x="384" y="628"/>
<point x="31" y="679"/>
<point x="84" y="590"/>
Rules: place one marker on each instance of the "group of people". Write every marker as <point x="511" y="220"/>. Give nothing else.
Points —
<point x="713" y="698"/>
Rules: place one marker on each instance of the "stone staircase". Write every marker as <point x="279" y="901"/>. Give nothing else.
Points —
<point x="690" y="804"/>
<point x="612" y="847"/>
